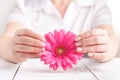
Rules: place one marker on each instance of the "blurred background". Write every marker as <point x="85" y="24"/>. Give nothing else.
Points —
<point x="114" y="5"/>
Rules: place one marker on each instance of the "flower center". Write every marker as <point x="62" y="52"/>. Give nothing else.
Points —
<point x="60" y="51"/>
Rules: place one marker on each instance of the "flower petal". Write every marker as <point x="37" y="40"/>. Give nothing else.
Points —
<point x="64" y="67"/>
<point x="71" y="41"/>
<point x="67" y="60"/>
<point x="55" y="67"/>
<point x="69" y="65"/>
<point x="56" y="35"/>
<point x="58" y="62"/>
<point x="66" y="41"/>
<point x="50" y="66"/>
<point x="61" y="35"/>
<point x="47" y="61"/>
<point x="49" y="47"/>
<point x="67" y="36"/>
<point x="73" y="58"/>
<point x="50" y="38"/>
<point x="53" y="61"/>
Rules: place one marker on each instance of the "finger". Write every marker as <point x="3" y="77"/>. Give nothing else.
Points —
<point x="94" y="40"/>
<point x="95" y="48"/>
<point x="29" y="33"/>
<point x="94" y="32"/>
<point x="28" y="41"/>
<point x="27" y="55"/>
<point x="27" y="49"/>
<point x="78" y="44"/>
<point x="79" y="49"/>
<point x="98" y="56"/>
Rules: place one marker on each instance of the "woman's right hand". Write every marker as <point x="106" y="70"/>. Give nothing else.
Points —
<point x="23" y="45"/>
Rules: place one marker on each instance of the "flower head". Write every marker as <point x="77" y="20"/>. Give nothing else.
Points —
<point x="60" y="50"/>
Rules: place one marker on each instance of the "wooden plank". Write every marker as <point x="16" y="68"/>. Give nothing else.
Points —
<point x="7" y="70"/>
<point x="104" y="71"/>
<point x="33" y="69"/>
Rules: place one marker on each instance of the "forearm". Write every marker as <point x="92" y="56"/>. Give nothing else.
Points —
<point x="6" y="36"/>
<point x="11" y="28"/>
<point x="3" y="40"/>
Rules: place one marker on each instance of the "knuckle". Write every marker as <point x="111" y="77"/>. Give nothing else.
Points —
<point x="36" y="50"/>
<point x="36" y="43"/>
<point x="19" y="48"/>
<point x="24" y="31"/>
<point x="103" y="31"/>
<point x="81" y="36"/>
<point x="42" y="44"/>
<point x="22" y="39"/>
<point x="93" y="32"/>
<point x="99" y="48"/>
<point x="85" y="50"/>
<point x="14" y="39"/>
<point x="96" y="39"/>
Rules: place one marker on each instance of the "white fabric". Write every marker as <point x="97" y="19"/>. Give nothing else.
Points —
<point x="42" y="16"/>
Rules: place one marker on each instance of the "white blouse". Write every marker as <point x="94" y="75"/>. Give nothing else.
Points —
<point x="42" y="16"/>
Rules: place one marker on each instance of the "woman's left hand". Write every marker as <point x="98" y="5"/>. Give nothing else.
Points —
<point x="96" y="43"/>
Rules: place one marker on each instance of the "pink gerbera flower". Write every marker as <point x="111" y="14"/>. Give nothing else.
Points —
<point x="60" y="50"/>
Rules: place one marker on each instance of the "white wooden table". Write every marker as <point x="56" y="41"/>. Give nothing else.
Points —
<point x="86" y="69"/>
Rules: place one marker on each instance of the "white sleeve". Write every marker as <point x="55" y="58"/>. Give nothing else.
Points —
<point x="102" y="14"/>
<point x="17" y="15"/>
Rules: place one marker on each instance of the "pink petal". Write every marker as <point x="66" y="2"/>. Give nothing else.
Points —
<point x="47" y="61"/>
<point x="50" y="66"/>
<point x="64" y="67"/>
<point x="67" y="60"/>
<point x="73" y="57"/>
<point x="60" y="36"/>
<point x="58" y="62"/>
<point x="71" y="41"/>
<point x="71" y="47"/>
<point x="80" y="56"/>
<point x="50" y="38"/>
<point x="46" y="53"/>
<point x="64" y="62"/>
<point x="56" y="35"/>
<point x="55" y="67"/>
<point x="69" y="65"/>
<point x="53" y="61"/>
<point x="56" y="40"/>
<point x="49" y="47"/>
<point x="67" y="36"/>
<point x="43" y="58"/>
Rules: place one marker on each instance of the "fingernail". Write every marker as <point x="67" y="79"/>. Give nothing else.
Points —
<point x="42" y="44"/>
<point x="78" y="44"/>
<point x="43" y="49"/>
<point x="77" y="38"/>
<point x="79" y="49"/>
<point x="90" y="54"/>
<point x="43" y="39"/>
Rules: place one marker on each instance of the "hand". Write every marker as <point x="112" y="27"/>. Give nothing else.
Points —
<point x="96" y="43"/>
<point x="23" y="45"/>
